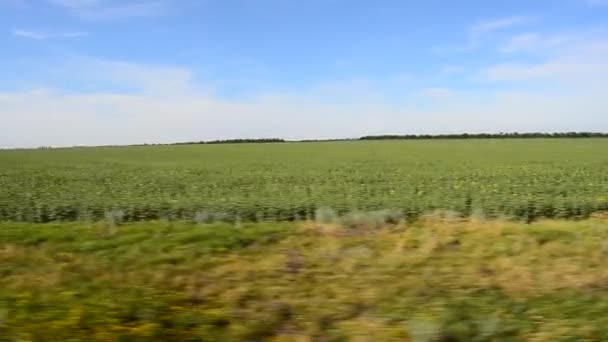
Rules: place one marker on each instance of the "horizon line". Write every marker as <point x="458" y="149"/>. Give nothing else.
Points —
<point x="373" y="137"/>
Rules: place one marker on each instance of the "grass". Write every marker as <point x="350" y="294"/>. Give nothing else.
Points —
<point x="525" y="178"/>
<point x="438" y="278"/>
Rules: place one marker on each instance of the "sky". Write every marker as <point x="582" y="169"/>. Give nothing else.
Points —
<point x="109" y="72"/>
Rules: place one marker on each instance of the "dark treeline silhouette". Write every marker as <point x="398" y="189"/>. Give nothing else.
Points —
<point x="235" y="141"/>
<point x="245" y="141"/>
<point x="325" y="140"/>
<point x="487" y="136"/>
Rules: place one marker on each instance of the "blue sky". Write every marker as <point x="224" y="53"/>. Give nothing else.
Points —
<point x="88" y="72"/>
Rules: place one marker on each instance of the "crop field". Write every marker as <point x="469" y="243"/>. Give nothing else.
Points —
<point x="521" y="178"/>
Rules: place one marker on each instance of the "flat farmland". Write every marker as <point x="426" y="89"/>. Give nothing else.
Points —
<point x="429" y="240"/>
<point x="522" y="178"/>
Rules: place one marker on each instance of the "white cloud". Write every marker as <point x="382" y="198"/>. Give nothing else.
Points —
<point x="561" y="70"/>
<point x="579" y="63"/>
<point x="42" y="35"/>
<point x="169" y="106"/>
<point x="144" y="78"/>
<point x="47" y="117"/>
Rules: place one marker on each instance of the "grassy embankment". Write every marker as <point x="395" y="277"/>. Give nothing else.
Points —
<point x="452" y="279"/>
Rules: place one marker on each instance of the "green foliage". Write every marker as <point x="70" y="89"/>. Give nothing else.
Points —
<point x="521" y="178"/>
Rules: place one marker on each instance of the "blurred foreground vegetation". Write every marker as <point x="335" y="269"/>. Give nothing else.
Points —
<point x="439" y="278"/>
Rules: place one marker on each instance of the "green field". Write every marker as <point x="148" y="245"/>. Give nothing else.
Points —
<point x="523" y="178"/>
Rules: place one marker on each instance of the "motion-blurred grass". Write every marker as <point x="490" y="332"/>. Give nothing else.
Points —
<point x="439" y="278"/>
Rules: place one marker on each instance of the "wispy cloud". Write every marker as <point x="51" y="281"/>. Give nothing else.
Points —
<point x="488" y="27"/>
<point x="42" y="35"/>
<point x="30" y="34"/>
<point x="535" y="42"/>
<point x="479" y="31"/>
<point x="103" y="10"/>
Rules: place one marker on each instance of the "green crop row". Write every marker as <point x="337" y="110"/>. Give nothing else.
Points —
<point x="525" y="179"/>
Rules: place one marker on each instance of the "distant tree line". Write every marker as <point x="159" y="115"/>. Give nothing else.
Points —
<point x="513" y="135"/>
<point x="235" y="141"/>
<point x="244" y="141"/>
<point x="486" y="136"/>
<point x="325" y="140"/>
